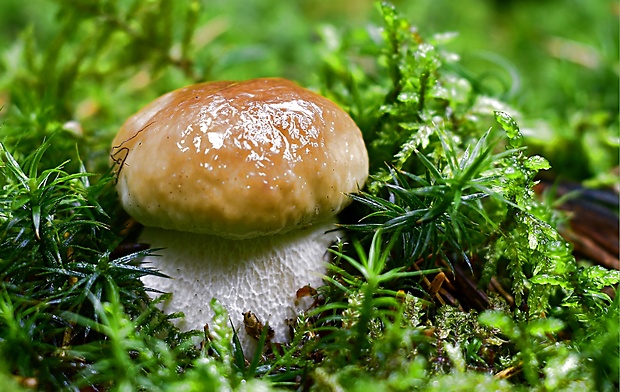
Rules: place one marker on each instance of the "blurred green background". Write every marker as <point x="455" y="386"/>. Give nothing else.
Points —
<point x="554" y="61"/>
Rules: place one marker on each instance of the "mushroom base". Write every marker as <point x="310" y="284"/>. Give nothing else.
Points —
<point x="260" y="275"/>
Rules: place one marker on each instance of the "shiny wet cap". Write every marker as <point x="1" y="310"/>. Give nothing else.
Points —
<point x="238" y="159"/>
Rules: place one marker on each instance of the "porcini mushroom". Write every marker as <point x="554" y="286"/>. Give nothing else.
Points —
<point x="239" y="183"/>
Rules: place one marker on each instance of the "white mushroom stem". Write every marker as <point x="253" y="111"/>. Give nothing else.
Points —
<point x="261" y="274"/>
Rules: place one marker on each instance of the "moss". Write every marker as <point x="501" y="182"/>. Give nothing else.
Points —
<point x="454" y="275"/>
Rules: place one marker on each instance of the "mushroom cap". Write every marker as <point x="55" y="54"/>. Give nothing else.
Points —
<point x="238" y="159"/>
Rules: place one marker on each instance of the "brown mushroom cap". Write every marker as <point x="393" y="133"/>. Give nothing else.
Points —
<point x="238" y="159"/>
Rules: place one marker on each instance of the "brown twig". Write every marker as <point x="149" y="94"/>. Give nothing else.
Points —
<point x="594" y="225"/>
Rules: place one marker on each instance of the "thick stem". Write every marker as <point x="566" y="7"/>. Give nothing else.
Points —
<point x="260" y="275"/>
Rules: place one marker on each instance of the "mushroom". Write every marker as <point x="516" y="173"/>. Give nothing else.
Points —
<point x="239" y="183"/>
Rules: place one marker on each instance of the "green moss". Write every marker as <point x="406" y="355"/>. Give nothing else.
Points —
<point x="453" y="166"/>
